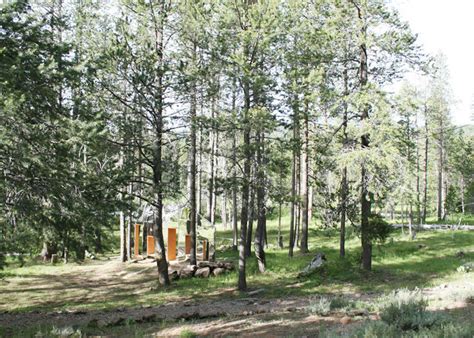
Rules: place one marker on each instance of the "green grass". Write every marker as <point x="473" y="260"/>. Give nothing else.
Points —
<point x="456" y="218"/>
<point x="400" y="262"/>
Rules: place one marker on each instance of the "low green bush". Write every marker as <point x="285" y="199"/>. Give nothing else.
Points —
<point x="406" y="310"/>
<point x="340" y="303"/>
<point x="320" y="307"/>
<point x="380" y="329"/>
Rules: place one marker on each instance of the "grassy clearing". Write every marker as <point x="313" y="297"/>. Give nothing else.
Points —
<point x="399" y="263"/>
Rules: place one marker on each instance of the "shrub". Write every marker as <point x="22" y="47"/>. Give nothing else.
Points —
<point x="321" y="307"/>
<point x="467" y="267"/>
<point x="340" y="303"/>
<point x="187" y="334"/>
<point x="447" y="330"/>
<point x="407" y="311"/>
<point x="379" y="229"/>
<point x="377" y="329"/>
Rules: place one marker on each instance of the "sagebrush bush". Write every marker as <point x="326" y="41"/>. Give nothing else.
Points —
<point x="340" y="303"/>
<point x="320" y="307"/>
<point x="446" y="330"/>
<point x="407" y="310"/>
<point x="379" y="329"/>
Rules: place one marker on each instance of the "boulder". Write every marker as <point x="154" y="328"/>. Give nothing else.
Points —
<point x="203" y="272"/>
<point x="226" y="265"/>
<point x="218" y="271"/>
<point x="207" y="264"/>
<point x="173" y="274"/>
<point x="188" y="271"/>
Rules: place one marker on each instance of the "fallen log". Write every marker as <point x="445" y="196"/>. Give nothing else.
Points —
<point x="316" y="263"/>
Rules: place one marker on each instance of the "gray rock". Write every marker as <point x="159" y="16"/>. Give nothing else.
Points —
<point x="228" y="266"/>
<point x="203" y="272"/>
<point x="205" y="264"/>
<point x="188" y="271"/>
<point x="218" y="271"/>
<point x="173" y="274"/>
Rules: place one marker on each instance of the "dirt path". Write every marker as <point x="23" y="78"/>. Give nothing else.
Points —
<point x="224" y="311"/>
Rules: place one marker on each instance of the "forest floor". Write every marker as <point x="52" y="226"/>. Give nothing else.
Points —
<point x="248" y="314"/>
<point x="106" y="295"/>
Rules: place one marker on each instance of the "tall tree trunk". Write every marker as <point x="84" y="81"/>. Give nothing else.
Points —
<point x="245" y="189"/>
<point x="123" y="238"/>
<point x="298" y="194"/>
<point x="224" y="208"/>
<point x="248" y="248"/>
<point x="261" y="219"/>
<point x="425" y="178"/>
<point x="418" y="190"/>
<point x="344" y="187"/>
<point x="410" y="221"/>
<point x="234" y="183"/>
<point x="440" y="181"/>
<point x="294" y="170"/>
<point x="160" y="251"/>
<point x="280" y="237"/>
<point x="223" y="172"/>
<point x="210" y="204"/>
<point x="199" y="176"/>
<point x="193" y="171"/>
<point x="365" y="197"/>
<point x="129" y="225"/>
<point x="305" y="186"/>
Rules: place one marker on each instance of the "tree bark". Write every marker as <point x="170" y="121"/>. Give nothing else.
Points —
<point x="280" y="238"/>
<point x="344" y="187"/>
<point x="294" y="170"/>
<point x="425" y="178"/>
<point x="261" y="220"/>
<point x="248" y="248"/>
<point x="418" y="191"/>
<point x="365" y="194"/>
<point x="212" y="144"/>
<point x="193" y="171"/>
<point x="440" y="176"/>
<point x="234" y="185"/>
<point x="160" y="251"/>
<point x="245" y="189"/>
<point x="123" y="237"/>
<point x="305" y="187"/>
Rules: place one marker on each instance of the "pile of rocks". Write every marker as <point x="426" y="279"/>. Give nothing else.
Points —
<point x="203" y="269"/>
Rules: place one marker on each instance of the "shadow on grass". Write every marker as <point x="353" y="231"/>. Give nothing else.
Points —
<point x="402" y="263"/>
